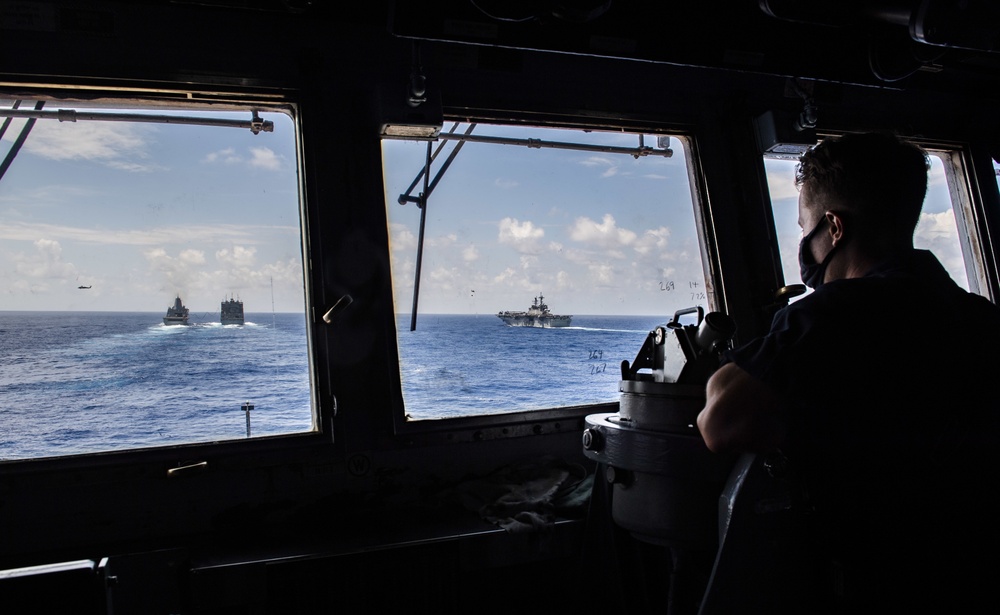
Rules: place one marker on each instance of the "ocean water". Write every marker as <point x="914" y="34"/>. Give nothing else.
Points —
<point x="462" y="365"/>
<point x="83" y="382"/>
<point x="86" y="382"/>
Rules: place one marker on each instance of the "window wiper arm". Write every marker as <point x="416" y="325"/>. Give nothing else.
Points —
<point x="421" y="202"/>
<point x="19" y="141"/>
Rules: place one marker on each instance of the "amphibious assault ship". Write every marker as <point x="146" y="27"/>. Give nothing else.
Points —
<point x="177" y="314"/>
<point x="538" y="315"/>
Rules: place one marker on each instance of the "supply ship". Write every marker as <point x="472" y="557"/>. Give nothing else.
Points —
<point x="177" y="314"/>
<point x="231" y="312"/>
<point x="538" y="315"/>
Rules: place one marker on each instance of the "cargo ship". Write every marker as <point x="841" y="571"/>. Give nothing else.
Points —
<point x="232" y="312"/>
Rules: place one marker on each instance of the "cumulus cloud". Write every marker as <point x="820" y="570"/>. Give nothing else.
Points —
<point x="563" y="280"/>
<point x="781" y="179"/>
<point x="238" y="256"/>
<point x="45" y="262"/>
<point x="264" y="158"/>
<point x="524" y="236"/>
<point x="400" y="238"/>
<point x="601" y="274"/>
<point x="506" y="275"/>
<point x="605" y="234"/>
<point x="938" y="232"/>
<point x="192" y="257"/>
<point x="443" y="241"/>
<point x="652" y="239"/>
<point x="260" y="158"/>
<point x="227" y="155"/>
<point x="470" y="253"/>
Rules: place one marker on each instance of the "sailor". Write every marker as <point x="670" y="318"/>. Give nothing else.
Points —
<point x="876" y="389"/>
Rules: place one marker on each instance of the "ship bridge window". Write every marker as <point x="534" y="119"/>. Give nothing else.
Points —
<point x="151" y="267"/>
<point x="942" y="228"/>
<point x="537" y="260"/>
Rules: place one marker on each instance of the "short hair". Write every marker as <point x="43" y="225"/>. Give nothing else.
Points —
<point x="878" y="179"/>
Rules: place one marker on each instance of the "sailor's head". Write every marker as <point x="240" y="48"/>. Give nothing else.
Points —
<point x="875" y="181"/>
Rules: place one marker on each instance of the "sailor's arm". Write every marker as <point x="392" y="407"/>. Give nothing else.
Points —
<point x="741" y="413"/>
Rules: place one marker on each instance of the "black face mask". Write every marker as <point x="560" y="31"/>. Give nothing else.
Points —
<point x="812" y="272"/>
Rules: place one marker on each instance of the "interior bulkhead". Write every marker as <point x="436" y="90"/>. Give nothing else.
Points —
<point x="377" y="500"/>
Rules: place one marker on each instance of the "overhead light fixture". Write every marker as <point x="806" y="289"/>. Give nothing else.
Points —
<point x="781" y="136"/>
<point x="416" y="131"/>
<point x="401" y="119"/>
<point x="418" y="115"/>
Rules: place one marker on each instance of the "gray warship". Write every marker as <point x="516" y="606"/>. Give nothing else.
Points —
<point x="177" y="314"/>
<point x="538" y="315"/>
<point x="231" y="312"/>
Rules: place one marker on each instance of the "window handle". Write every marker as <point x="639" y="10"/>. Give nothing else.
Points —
<point x="187" y="469"/>
<point x="337" y="308"/>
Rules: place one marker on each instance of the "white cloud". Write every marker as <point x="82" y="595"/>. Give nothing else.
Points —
<point x="610" y="166"/>
<point x="227" y="155"/>
<point x="260" y="158"/>
<point x="602" y="274"/>
<point x="597" y="161"/>
<point x="444" y="278"/>
<point x="781" y="179"/>
<point x="506" y="184"/>
<point x="563" y="280"/>
<point x="237" y="257"/>
<point x="654" y="176"/>
<point x="442" y="241"/>
<point x="506" y="275"/>
<point x="652" y="239"/>
<point x="192" y="257"/>
<point x="264" y="158"/>
<point x="470" y="253"/>
<point x="400" y="238"/>
<point x="133" y="167"/>
<point x="938" y="233"/>
<point x="524" y="236"/>
<point x="100" y="141"/>
<point x="45" y="262"/>
<point x="216" y="233"/>
<point x="605" y="234"/>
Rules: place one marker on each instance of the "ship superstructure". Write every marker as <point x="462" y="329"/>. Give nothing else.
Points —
<point x="177" y="314"/>
<point x="231" y="312"/>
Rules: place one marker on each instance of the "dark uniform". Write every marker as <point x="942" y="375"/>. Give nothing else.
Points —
<point x="889" y="387"/>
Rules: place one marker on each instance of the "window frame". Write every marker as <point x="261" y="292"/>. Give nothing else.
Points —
<point x="181" y="458"/>
<point x="968" y="212"/>
<point x="544" y="420"/>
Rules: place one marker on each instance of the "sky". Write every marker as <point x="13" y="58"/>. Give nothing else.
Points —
<point x="144" y="212"/>
<point x="596" y="233"/>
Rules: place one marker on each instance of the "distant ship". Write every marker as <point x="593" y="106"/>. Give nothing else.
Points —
<point x="177" y="314"/>
<point x="538" y="315"/>
<point x="232" y="312"/>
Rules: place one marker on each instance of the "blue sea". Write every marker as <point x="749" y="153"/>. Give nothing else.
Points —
<point x="454" y="365"/>
<point x="86" y="382"/>
<point x="83" y="382"/>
